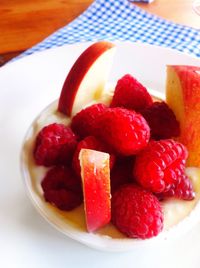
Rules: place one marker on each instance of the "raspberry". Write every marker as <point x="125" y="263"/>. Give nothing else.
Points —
<point x="160" y="165"/>
<point x="121" y="173"/>
<point x="93" y="143"/>
<point x="84" y="122"/>
<point x="54" y="145"/>
<point x="136" y="212"/>
<point x="182" y="190"/>
<point x="61" y="177"/>
<point x="162" y="121"/>
<point x="63" y="199"/>
<point x="62" y="188"/>
<point x="125" y="131"/>
<point x="130" y="94"/>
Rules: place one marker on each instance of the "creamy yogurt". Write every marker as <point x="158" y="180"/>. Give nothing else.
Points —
<point x="174" y="210"/>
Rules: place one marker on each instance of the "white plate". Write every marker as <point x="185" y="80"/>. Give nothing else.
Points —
<point x="26" y="87"/>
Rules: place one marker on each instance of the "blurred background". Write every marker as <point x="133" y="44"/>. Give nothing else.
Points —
<point x="24" y="23"/>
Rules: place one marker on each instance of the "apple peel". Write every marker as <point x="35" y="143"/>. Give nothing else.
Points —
<point x="183" y="97"/>
<point x="95" y="173"/>
<point x="86" y="80"/>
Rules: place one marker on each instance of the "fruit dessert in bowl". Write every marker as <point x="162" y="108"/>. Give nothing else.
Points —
<point x="116" y="166"/>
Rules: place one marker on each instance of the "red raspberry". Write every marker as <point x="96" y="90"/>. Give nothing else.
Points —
<point x="121" y="173"/>
<point x="136" y="212"/>
<point x="160" y="165"/>
<point x="84" y="122"/>
<point x="131" y="94"/>
<point x="92" y="143"/>
<point x="61" y="177"/>
<point x="54" y="145"/>
<point x="182" y="190"/>
<point x="63" y="199"/>
<point x="162" y="121"/>
<point x="125" y="131"/>
<point x="62" y="188"/>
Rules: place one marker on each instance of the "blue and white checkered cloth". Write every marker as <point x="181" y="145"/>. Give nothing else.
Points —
<point x="121" y="20"/>
<point x="142" y="1"/>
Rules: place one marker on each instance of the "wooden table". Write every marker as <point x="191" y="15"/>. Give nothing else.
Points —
<point x="23" y="23"/>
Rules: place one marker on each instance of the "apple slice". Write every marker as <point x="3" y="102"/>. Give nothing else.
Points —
<point x="95" y="173"/>
<point x="183" y="97"/>
<point x="87" y="77"/>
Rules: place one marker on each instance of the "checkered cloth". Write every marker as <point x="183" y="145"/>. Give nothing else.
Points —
<point x="142" y="1"/>
<point x="121" y="20"/>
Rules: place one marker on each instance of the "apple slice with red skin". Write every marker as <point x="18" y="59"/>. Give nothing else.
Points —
<point x="95" y="173"/>
<point x="183" y="97"/>
<point x="86" y="80"/>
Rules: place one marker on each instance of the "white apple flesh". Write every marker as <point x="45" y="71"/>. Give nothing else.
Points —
<point x="86" y="80"/>
<point x="183" y="97"/>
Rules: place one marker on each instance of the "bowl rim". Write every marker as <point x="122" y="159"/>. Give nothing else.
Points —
<point x="93" y="240"/>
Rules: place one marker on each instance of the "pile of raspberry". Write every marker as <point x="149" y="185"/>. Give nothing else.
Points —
<point x="147" y="165"/>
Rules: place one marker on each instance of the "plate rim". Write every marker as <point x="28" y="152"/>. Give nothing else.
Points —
<point x="88" y="43"/>
<point x="81" y="45"/>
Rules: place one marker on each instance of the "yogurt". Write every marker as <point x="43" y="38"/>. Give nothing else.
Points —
<point x="175" y="210"/>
